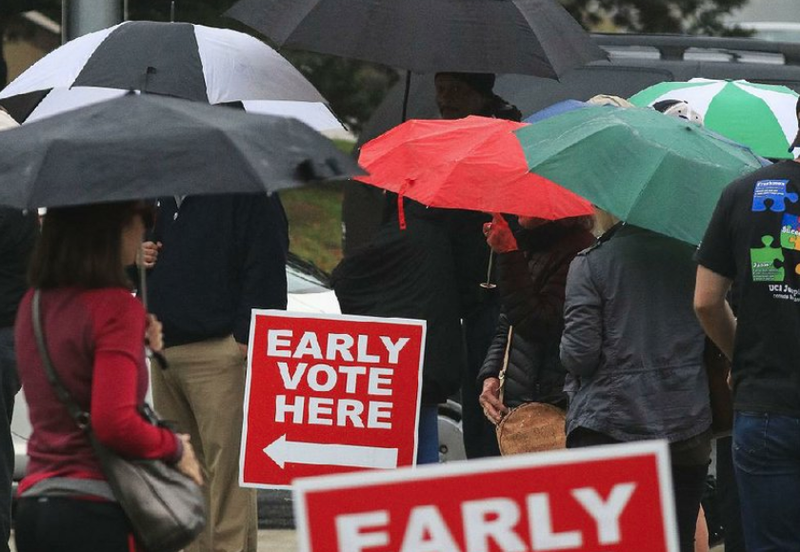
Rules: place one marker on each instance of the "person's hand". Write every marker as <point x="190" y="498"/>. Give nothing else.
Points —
<point x="149" y="254"/>
<point x="493" y="409"/>
<point x="154" y="335"/>
<point x="188" y="464"/>
<point x="499" y="235"/>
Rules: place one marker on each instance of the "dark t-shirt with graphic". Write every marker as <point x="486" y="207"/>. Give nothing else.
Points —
<point x="754" y="239"/>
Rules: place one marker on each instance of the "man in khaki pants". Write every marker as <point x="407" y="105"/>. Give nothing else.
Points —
<point x="211" y="260"/>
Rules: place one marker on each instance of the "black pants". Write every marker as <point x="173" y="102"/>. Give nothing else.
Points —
<point x="688" y="483"/>
<point x="9" y="386"/>
<point x="479" y="329"/>
<point x="71" y="525"/>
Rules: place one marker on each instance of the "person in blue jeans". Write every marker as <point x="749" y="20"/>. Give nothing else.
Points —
<point x="751" y="240"/>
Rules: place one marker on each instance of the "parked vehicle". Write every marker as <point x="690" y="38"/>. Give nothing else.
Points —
<point x="773" y="30"/>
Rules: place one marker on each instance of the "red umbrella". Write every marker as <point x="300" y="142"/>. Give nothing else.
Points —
<point x="474" y="163"/>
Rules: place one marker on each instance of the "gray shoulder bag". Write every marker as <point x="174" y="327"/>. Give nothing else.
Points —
<point x="166" y="509"/>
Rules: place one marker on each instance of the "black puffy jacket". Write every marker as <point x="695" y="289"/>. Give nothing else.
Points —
<point x="531" y="282"/>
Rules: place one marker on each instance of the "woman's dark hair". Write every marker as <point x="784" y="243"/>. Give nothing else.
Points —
<point x="82" y="246"/>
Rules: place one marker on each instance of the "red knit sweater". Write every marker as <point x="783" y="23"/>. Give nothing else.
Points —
<point x="95" y="340"/>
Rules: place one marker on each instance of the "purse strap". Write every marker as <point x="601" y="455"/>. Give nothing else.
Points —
<point x="502" y="374"/>
<point x="81" y="417"/>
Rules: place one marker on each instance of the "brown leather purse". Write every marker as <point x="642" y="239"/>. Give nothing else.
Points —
<point x="530" y="427"/>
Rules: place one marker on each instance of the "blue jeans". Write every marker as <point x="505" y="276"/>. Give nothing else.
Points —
<point x="428" y="435"/>
<point x="766" y="455"/>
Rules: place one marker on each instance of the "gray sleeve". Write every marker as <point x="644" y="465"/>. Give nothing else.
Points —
<point x="583" y="322"/>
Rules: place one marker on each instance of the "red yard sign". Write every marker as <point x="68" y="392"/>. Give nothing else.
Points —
<point x="602" y="499"/>
<point x="329" y="394"/>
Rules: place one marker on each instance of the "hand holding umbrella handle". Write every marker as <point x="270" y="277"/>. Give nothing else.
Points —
<point x="500" y="240"/>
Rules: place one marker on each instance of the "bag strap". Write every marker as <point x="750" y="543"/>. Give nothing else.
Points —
<point x="502" y="374"/>
<point x="81" y="417"/>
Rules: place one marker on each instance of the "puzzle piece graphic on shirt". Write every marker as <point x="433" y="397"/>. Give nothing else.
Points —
<point x="763" y="262"/>
<point x="790" y="232"/>
<point x="775" y="192"/>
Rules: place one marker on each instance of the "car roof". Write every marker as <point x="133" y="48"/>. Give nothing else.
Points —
<point x="635" y="62"/>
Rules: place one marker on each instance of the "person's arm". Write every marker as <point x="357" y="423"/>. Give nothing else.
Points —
<point x="716" y="271"/>
<point x="263" y="242"/>
<point x="119" y="329"/>
<point x="581" y="340"/>
<point x="713" y="310"/>
<point x="489" y="375"/>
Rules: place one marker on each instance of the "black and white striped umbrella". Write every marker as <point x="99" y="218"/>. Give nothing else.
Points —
<point x="175" y="59"/>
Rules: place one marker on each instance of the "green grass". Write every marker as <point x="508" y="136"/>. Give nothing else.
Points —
<point x="315" y="219"/>
<point x="315" y="223"/>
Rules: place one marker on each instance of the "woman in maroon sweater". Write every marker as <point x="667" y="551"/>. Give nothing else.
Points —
<point x="95" y="331"/>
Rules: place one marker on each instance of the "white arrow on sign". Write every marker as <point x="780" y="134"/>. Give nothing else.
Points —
<point x="282" y="451"/>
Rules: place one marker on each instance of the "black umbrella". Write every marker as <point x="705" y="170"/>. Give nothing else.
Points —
<point x="532" y="37"/>
<point x="175" y="59"/>
<point x="147" y="146"/>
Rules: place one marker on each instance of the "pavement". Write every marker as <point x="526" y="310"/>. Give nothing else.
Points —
<point x="269" y="540"/>
<point x="285" y="540"/>
<point x="277" y="540"/>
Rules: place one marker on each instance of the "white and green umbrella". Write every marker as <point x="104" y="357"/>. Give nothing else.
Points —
<point x="760" y="116"/>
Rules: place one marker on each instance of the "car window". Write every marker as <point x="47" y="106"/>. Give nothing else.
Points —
<point x="304" y="277"/>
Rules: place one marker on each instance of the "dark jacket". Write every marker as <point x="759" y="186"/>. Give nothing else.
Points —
<point x="221" y="257"/>
<point x="410" y="274"/>
<point x="18" y="232"/>
<point x="531" y="283"/>
<point x="632" y="340"/>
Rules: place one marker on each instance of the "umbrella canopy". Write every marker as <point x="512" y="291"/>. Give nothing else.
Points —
<point x="472" y="163"/>
<point x="145" y="146"/>
<point x="760" y="116"/>
<point x="651" y="170"/>
<point x="173" y="59"/>
<point x="533" y="37"/>
<point x="555" y="109"/>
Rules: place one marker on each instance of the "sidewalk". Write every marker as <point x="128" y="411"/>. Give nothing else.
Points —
<point x="269" y="540"/>
<point x="285" y="540"/>
<point x="277" y="540"/>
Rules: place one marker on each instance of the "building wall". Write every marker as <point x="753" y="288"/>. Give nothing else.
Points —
<point x="20" y="54"/>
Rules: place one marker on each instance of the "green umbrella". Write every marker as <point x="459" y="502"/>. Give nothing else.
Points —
<point x="760" y="116"/>
<point x="651" y="170"/>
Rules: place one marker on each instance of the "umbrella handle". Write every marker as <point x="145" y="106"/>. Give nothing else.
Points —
<point x="488" y="283"/>
<point x="160" y="359"/>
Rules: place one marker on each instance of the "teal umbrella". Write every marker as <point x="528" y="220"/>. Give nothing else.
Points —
<point x="760" y="116"/>
<point x="648" y="169"/>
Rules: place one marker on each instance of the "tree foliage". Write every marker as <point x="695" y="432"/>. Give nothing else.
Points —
<point x="704" y="17"/>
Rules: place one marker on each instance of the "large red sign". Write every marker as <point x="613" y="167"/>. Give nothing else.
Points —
<point x="329" y="394"/>
<point x="602" y="499"/>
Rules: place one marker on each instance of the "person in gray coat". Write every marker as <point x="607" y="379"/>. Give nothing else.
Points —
<point x="634" y="351"/>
